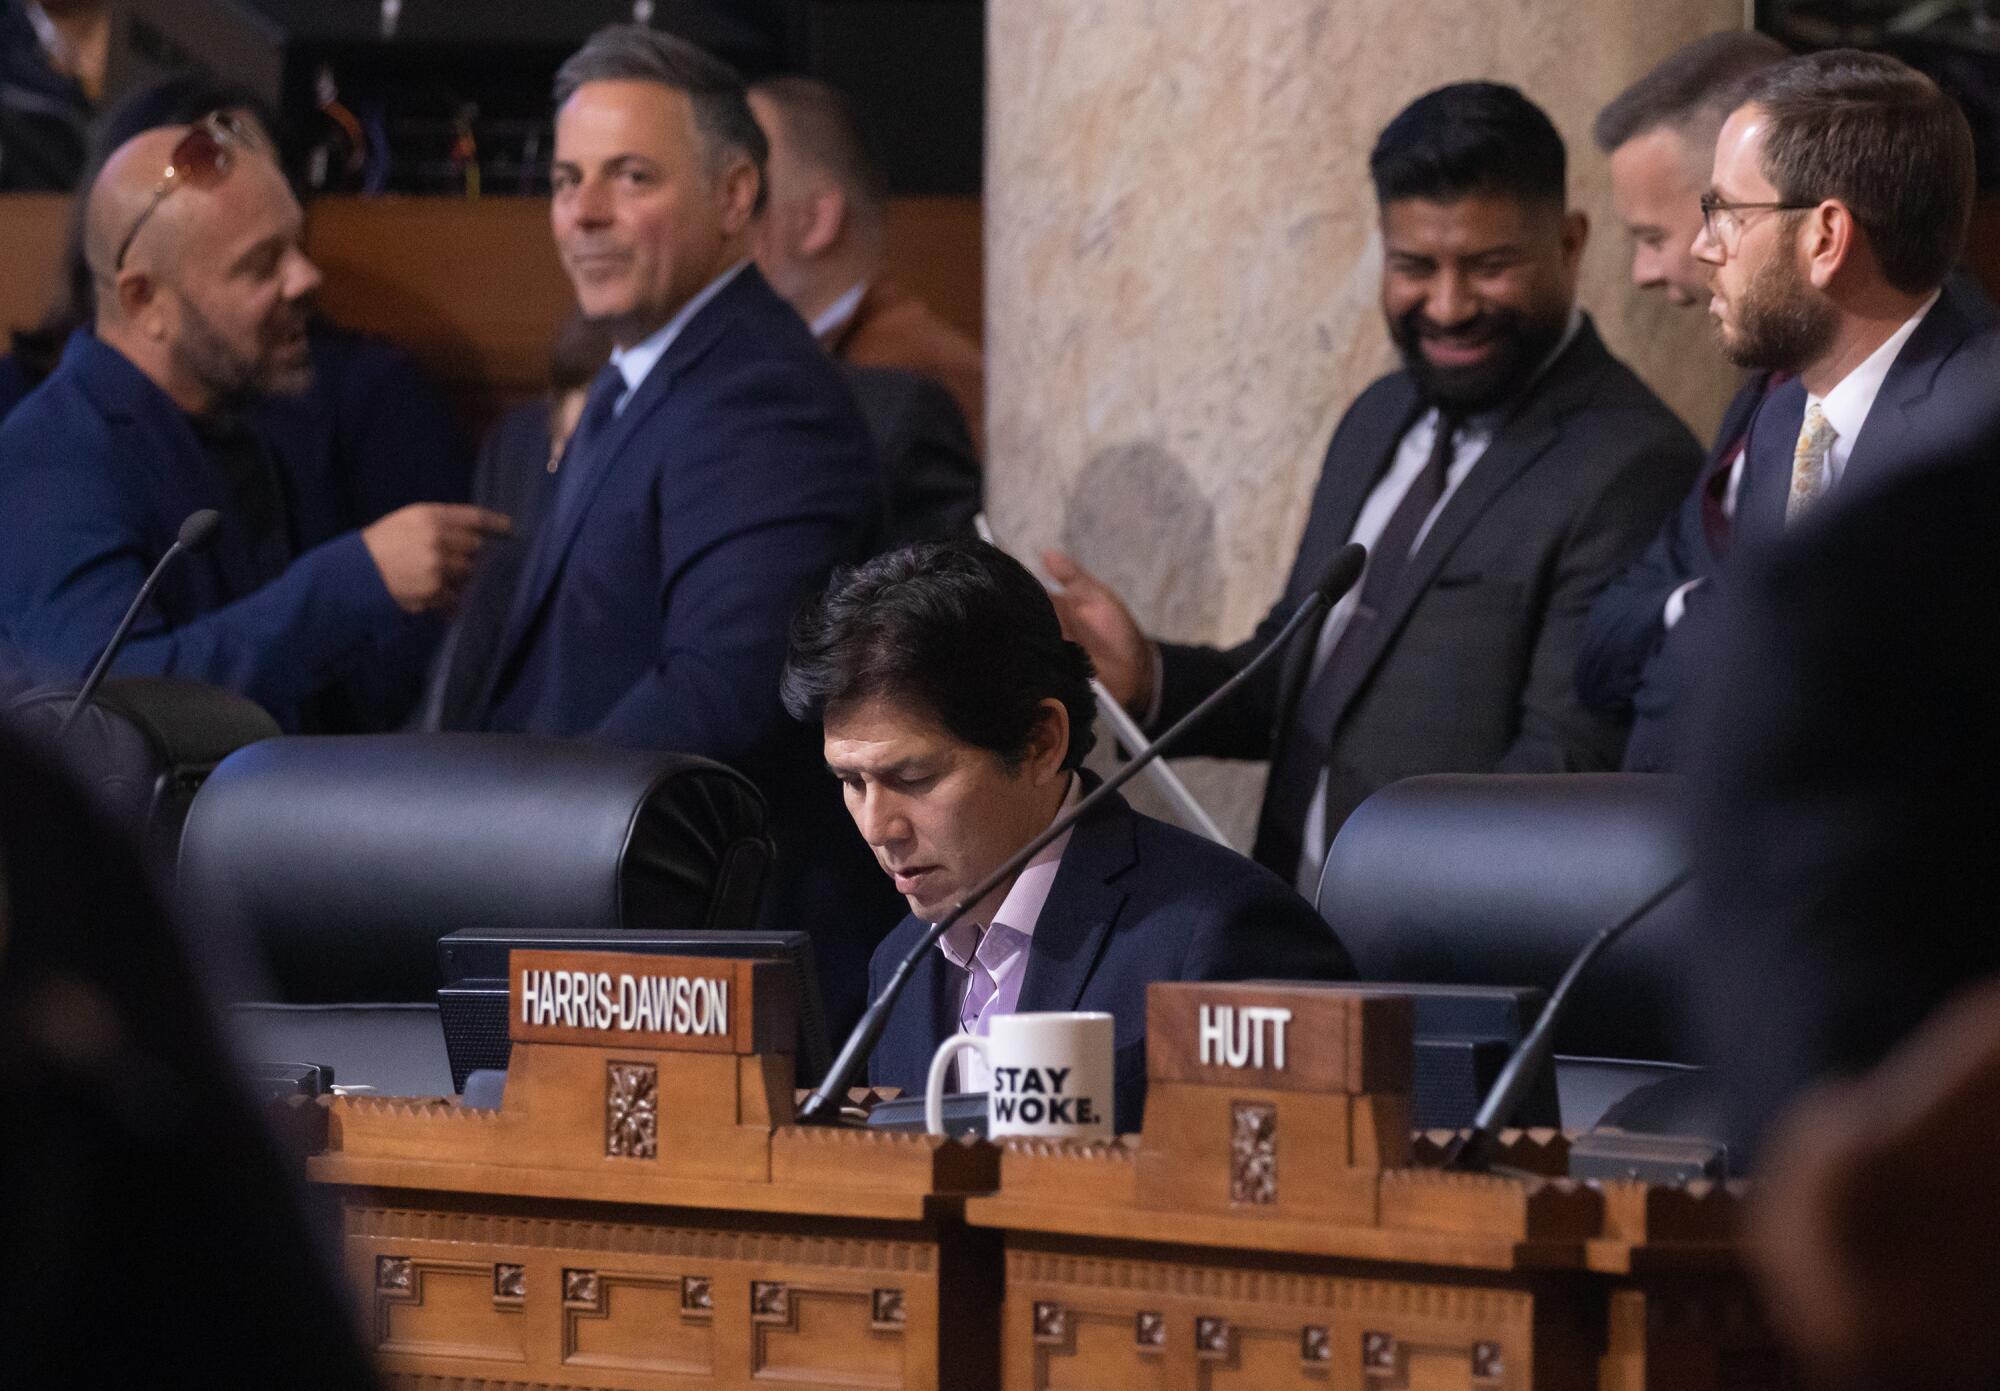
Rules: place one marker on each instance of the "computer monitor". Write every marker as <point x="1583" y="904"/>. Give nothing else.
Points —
<point x="1464" y="1035"/>
<point x="472" y="1003"/>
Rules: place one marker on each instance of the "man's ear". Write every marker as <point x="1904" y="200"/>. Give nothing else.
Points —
<point x="138" y="298"/>
<point x="824" y="220"/>
<point x="1575" y="236"/>
<point x="1829" y="238"/>
<point x="738" y="188"/>
<point x="1048" y="742"/>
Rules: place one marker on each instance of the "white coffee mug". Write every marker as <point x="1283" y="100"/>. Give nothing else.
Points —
<point x="1051" y="1076"/>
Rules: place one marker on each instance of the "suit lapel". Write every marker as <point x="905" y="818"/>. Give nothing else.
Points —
<point x="1517" y="444"/>
<point x="551" y="545"/>
<point x="1345" y="483"/>
<point x="1907" y="386"/>
<point x="1081" y="907"/>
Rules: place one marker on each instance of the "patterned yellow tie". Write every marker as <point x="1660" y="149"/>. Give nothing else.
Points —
<point x="1809" y="479"/>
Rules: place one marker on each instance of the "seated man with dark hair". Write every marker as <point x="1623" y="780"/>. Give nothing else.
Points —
<point x="956" y="718"/>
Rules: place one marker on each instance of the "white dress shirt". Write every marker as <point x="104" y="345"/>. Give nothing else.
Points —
<point x="635" y="363"/>
<point x="1846" y="408"/>
<point x="1002" y="946"/>
<point x="835" y="315"/>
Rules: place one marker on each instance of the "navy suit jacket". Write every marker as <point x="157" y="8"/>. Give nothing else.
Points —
<point x="1938" y="402"/>
<point x="657" y="613"/>
<point x="1631" y="665"/>
<point x="99" y="468"/>
<point x="1134" y="901"/>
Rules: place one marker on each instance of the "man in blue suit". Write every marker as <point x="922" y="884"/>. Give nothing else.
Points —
<point x="194" y="240"/>
<point x="957" y="718"/>
<point x="720" y="470"/>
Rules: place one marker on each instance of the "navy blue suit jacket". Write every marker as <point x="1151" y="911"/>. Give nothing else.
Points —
<point x="657" y="614"/>
<point x="1938" y="402"/>
<point x="99" y="468"/>
<point x="1630" y="664"/>
<point x="1135" y="900"/>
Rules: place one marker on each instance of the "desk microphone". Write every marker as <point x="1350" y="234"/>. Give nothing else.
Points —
<point x="196" y="532"/>
<point x="1472" y="1152"/>
<point x="823" y="1106"/>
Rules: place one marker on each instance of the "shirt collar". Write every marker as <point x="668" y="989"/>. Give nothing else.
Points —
<point x="1021" y="909"/>
<point x="834" y="317"/>
<point x="635" y="363"/>
<point x="1847" y="405"/>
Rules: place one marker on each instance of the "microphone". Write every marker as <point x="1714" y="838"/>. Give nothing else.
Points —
<point x="1472" y="1152"/>
<point x="195" y="534"/>
<point x="823" y="1107"/>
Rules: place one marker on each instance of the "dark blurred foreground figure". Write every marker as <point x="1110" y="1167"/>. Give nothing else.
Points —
<point x="153" y="1234"/>
<point x="1874" y="1234"/>
<point x="1848" y="759"/>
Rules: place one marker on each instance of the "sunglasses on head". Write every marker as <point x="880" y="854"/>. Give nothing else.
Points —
<point x="202" y="157"/>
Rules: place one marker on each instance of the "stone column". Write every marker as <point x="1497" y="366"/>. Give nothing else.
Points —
<point x="1182" y="267"/>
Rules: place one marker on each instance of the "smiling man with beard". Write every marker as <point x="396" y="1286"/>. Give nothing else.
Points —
<point x="194" y="241"/>
<point x="1499" y="480"/>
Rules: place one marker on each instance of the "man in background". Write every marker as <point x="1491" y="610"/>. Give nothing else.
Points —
<point x="823" y="240"/>
<point x="1636" y="660"/>
<point x="194" y="239"/>
<point x="1498" y="480"/>
<point x="718" y="474"/>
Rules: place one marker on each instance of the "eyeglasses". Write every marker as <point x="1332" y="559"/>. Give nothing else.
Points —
<point x="202" y="157"/>
<point x="1723" y="223"/>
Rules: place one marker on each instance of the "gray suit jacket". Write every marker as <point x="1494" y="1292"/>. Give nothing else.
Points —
<point x="1469" y="668"/>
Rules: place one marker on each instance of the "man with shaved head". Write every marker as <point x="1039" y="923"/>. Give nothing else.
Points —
<point x="194" y="242"/>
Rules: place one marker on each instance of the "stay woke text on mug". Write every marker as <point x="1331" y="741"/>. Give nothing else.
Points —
<point x="1051" y="1076"/>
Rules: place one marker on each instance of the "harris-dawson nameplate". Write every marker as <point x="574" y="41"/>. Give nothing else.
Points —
<point x="687" y="1004"/>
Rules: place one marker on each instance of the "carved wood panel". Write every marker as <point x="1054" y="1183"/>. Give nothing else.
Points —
<point x="483" y="1298"/>
<point x="1082" y="1320"/>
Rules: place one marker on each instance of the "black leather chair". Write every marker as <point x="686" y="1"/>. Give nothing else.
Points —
<point x="346" y="858"/>
<point x="144" y="746"/>
<point x="1501" y="880"/>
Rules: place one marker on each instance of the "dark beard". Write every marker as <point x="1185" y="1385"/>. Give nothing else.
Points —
<point x="1781" y="325"/>
<point x="233" y="380"/>
<point x="1523" y="344"/>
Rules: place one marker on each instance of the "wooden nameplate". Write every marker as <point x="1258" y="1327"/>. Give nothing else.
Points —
<point x="647" y="1079"/>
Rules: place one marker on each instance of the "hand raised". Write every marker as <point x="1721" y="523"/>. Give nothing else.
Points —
<point x="1093" y="615"/>
<point x="425" y="552"/>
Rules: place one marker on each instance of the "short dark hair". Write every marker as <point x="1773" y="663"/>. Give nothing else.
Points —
<point x="1470" y="137"/>
<point x="825" y="128"/>
<point x="957" y="629"/>
<point x="1883" y="139"/>
<point x="1690" y="92"/>
<point x="635" y="53"/>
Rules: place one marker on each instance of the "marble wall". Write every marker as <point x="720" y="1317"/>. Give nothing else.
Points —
<point x="1182" y="266"/>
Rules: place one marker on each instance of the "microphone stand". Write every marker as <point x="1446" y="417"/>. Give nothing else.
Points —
<point x="823" y="1106"/>
<point x="194" y="534"/>
<point x="1472" y="1152"/>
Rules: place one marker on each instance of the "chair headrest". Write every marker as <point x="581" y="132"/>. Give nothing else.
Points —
<point x="145" y="743"/>
<point x="1502" y="879"/>
<point x="350" y="856"/>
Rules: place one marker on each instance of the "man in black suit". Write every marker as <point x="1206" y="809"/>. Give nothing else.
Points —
<point x="957" y="717"/>
<point x="1658" y="136"/>
<point x="1500" y="479"/>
